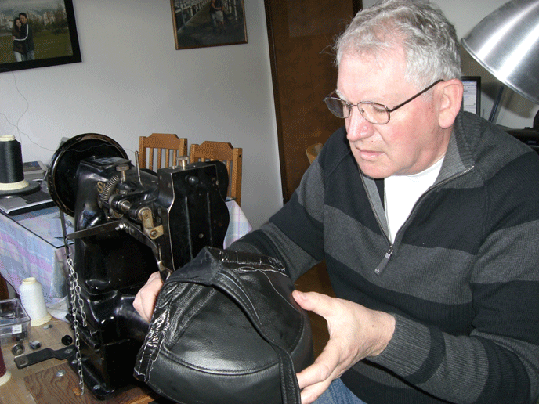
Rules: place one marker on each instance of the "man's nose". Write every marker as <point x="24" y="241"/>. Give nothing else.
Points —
<point x="357" y="127"/>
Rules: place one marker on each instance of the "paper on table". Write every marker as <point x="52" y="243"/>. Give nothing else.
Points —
<point x="18" y="204"/>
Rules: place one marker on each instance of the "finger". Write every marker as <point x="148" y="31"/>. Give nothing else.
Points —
<point x="139" y="306"/>
<point x="154" y="276"/>
<point x="313" y="374"/>
<point x="324" y="367"/>
<point x="153" y="285"/>
<point x="315" y="379"/>
<point x="144" y="302"/>
<point x="316" y="302"/>
<point x="312" y="393"/>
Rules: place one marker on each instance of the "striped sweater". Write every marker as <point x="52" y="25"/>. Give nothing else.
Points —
<point x="461" y="277"/>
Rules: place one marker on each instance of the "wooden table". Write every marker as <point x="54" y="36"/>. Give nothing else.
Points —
<point x="53" y="381"/>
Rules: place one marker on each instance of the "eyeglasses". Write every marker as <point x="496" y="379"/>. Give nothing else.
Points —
<point x="373" y="112"/>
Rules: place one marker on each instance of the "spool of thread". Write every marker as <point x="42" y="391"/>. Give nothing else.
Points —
<point x="11" y="169"/>
<point x="33" y="301"/>
<point x="4" y="374"/>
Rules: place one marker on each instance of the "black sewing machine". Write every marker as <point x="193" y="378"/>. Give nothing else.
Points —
<point x="128" y="223"/>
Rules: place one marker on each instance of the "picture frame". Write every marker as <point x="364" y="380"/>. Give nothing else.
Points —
<point x="53" y="32"/>
<point x="204" y="23"/>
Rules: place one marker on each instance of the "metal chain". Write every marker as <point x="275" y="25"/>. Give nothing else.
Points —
<point x="77" y="310"/>
<point x="76" y="303"/>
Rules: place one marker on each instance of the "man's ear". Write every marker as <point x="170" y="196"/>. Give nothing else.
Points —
<point x="450" y="101"/>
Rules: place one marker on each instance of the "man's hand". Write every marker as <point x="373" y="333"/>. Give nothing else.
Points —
<point x="144" y="302"/>
<point x="355" y="332"/>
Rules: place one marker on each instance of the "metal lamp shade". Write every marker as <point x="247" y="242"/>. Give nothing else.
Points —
<point x="506" y="43"/>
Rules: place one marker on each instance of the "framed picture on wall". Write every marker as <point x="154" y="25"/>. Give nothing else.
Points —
<point x="202" y="23"/>
<point x="37" y="33"/>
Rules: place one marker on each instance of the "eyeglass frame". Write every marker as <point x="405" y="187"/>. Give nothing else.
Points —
<point x="389" y="111"/>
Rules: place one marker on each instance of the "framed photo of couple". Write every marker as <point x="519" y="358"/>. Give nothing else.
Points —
<point x="37" y="33"/>
<point x="202" y="23"/>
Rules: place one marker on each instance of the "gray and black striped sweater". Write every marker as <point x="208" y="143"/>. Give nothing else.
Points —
<point x="461" y="278"/>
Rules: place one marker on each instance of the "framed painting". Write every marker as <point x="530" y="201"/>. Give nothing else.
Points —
<point x="37" y="33"/>
<point x="202" y="23"/>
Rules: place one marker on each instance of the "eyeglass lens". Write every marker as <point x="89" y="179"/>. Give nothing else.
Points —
<point x="371" y="111"/>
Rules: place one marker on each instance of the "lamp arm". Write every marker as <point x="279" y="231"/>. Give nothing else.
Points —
<point x="494" y="109"/>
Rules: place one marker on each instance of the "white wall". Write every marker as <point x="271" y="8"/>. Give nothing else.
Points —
<point x="133" y="82"/>
<point x="516" y="111"/>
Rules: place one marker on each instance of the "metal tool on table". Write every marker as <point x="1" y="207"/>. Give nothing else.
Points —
<point x="30" y="359"/>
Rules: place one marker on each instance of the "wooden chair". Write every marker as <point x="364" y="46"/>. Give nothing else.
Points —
<point x="312" y="151"/>
<point x="166" y="146"/>
<point x="222" y="151"/>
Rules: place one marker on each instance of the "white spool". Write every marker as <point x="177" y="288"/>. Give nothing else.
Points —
<point x="5" y="375"/>
<point x="4" y="379"/>
<point x="33" y="301"/>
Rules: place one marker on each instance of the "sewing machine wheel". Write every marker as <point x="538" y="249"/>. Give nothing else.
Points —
<point x="62" y="178"/>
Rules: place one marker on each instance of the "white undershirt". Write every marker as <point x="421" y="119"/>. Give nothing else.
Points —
<point x="402" y="192"/>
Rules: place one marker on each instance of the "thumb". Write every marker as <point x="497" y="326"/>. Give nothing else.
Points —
<point x="312" y="301"/>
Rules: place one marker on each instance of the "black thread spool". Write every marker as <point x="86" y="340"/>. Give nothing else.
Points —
<point x="11" y="164"/>
<point x="11" y="168"/>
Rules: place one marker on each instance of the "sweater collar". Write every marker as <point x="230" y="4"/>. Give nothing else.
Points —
<point x="458" y="157"/>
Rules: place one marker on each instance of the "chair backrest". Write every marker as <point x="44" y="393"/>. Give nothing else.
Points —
<point x="163" y="147"/>
<point x="230" y="156"/>
<point x="312" y="151"/>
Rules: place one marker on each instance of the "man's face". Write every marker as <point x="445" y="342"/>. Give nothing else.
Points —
<point x="23" y="19"/>
<point x="412" y="140"/>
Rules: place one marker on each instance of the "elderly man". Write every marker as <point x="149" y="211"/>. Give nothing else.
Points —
<point x="428" y="220"/>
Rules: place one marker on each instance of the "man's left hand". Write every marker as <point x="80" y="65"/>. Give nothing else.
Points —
<point x="355" y="332"/>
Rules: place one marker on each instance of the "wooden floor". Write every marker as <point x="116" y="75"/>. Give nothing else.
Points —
<point x="317" y="280"/>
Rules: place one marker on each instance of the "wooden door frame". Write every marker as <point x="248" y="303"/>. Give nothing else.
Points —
<point x="357" y="5"/>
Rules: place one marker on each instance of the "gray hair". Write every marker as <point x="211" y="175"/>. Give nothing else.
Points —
<point x="429" y="40"/>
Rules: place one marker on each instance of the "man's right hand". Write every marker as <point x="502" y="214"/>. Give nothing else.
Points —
<point x="144" y="302"/>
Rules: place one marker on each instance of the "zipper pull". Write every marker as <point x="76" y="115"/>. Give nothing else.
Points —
<point x="378" y="270"/>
